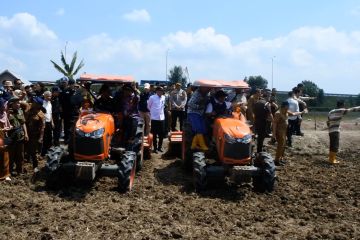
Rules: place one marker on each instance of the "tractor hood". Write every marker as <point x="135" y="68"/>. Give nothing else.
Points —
<point x="92" y="122"/>
<point x="232" y="127"/>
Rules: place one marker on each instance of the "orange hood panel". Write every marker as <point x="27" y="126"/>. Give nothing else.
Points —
<point x="231" y="126"/>
<point x="92" y="122"/>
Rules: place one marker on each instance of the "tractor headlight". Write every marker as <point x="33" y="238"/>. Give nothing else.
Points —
<point x="229" y="139"/>
<point x="246" y="139"/>
<point x="95" y="134"/>
<point x="98" y="133"/>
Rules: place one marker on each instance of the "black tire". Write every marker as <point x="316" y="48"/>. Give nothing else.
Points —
<point x="199" y="171"/>
<point x="127" y="168"/>
<point x="55" y="156"/>
<point x="187" y="153"/>
<point x="265" y="180"/>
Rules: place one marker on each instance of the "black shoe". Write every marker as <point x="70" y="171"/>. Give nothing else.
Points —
<point x="160" y="150"/>
<point x="300" y="134"/>
<point x="280" y="163"/>
<point x="155" y="151"/>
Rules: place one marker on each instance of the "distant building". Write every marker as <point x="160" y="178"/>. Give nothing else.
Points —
<point x="9" y="76"/>
<point x="153" y="82"/>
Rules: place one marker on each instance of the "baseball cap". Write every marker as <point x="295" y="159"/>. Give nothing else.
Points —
<point x="147" y="86"/>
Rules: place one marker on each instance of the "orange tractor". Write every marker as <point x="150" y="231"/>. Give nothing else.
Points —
<point x="230" y="156"/>
<point x="97" y="145"/>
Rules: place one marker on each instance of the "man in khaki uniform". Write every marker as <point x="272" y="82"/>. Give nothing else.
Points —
<point x="35" y="121"/>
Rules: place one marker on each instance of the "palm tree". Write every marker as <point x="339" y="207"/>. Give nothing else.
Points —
<point x="68" y="70"/>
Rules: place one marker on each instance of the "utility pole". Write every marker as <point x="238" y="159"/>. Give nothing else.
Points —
<point x="166" y="64"/>
<point x="272" y="71"/>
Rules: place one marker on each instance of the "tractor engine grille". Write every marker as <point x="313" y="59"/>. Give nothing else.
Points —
<point x="88" y="146"/>
<point x="237" y="150"/>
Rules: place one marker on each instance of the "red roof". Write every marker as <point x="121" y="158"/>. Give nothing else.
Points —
<point x="221" y="83"/>
<point x="106" y="78"/>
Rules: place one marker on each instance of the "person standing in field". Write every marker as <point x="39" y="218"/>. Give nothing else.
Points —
<point x="334" y="118"/>
<point x="143" y="109"/>
<point x="4" y="154"/>
<point x="280" y="125"/>
<point x="156" y="105"/>
<point x="178" y="99"/>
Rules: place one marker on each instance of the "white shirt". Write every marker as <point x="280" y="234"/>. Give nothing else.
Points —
<point x="209" y="108"/>
<point x="293" y="107"/>
<point x="156" y="106"/>
<point x="48" y="107"/>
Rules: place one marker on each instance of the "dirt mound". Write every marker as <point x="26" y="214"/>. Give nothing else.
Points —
<point x="312" y="200"/>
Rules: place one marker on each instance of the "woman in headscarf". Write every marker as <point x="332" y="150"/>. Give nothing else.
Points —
<point x="4" y="154"/>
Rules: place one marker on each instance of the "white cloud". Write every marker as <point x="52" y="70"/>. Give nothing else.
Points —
<point x="301" y="57"/>
<point x="321" y="54"/>
<point x="355" y="11"/>
<point x="24" y="31"/>
<point x="137" y="16"/>
<point x="60" y="12"/>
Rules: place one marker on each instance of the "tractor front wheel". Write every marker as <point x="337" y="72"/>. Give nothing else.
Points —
<point x="265" y="180"/>
<point x="55" y="155"/>
<point x="127" y="169"/>
<point x="199" y="171"/>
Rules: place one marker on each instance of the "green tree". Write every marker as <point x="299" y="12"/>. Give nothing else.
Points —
<point x="321" y="96"/>
<point x="312" y="90"/>
<point x="68" y="70"/>
<point x="358" y="100"/>
<point x="257" y="82"/>
<point x="177" y="76"/>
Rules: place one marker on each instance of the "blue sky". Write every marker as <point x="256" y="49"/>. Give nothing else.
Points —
<point x="313" y="40"/>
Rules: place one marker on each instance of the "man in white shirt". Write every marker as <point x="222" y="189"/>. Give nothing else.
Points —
<point x="156" y="104"/>
<point x="47" y="142"/>
<point x="293" y="121"/>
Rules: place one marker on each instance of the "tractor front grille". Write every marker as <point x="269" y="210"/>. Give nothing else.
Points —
<point x="88" y="146"/>
<point x="237" y="150"/>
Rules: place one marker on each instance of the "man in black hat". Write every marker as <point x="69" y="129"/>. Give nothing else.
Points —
<point x="218" y="106"/>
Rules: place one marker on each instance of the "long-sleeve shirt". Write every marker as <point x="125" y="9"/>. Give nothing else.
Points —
<point x="178" y="99"/>
<point x="156" y="106"/>
<point x="48" y="107"/>
<point x="197" y="103"/>
<point x="335" y="116"/>
<point x="293" y="107"/>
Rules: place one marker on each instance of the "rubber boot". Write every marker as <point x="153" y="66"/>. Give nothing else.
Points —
<point x="195" y="142"/>
<point x="332" y="158"/>
<point x="202" y="143"/>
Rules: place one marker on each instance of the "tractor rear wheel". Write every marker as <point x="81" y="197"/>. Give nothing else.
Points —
<point x="265" y="180"/>
<point x="186" y="145"/>
<point x="127" y="169"/>
<point x="199" y="171"/>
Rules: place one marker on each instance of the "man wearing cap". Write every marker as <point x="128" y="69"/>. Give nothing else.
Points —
<point x="35" y="121"/>
<point x="178" y="99"/>
<point x="8" y="90"/>
<point x="70" y="106"/>
<point x="156" y="105"/>
<point x="280" y="125"/>
<point x="218" y="106"/>
<point x="195" y="114"/>
<point x="18" y="135"/>
<point x="56" y="114"/>
<point x="143" y="109"/>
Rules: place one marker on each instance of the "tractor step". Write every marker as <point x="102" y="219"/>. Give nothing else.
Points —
<point x="175" y="137"/>
<point x="85" y="171"/>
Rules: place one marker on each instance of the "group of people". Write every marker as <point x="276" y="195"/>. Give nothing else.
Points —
<point x="32" y="118"/>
